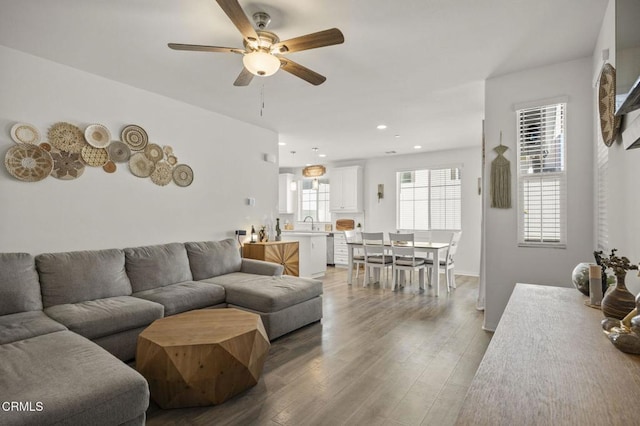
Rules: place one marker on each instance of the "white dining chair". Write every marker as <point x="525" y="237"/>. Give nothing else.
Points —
<point x="404" y="258"/>
<point x="448" y="264"/>
<point x="352" y="236"/>
<point x="375" y="256"/>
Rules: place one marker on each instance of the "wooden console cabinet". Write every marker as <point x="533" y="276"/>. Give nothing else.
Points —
<point x="549" y="363"/>
<point x="286" y="253"/>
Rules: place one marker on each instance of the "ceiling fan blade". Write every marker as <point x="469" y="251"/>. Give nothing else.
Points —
<point x="302" y="72"/>
<point x="199" y="48"/>
<point x="310" y="41"/>
<point x="239" y="18"/>
<point x="244" y="78"/>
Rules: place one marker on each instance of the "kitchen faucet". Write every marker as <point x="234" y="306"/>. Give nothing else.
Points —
<point x="309" y="217"/>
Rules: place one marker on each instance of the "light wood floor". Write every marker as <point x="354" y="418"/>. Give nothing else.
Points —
<point x="377" y="358"/>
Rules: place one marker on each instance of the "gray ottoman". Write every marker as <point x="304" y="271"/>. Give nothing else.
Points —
<point x="285" y="303"/>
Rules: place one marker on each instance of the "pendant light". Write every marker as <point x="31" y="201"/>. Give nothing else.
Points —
<point x="314" y="171"/>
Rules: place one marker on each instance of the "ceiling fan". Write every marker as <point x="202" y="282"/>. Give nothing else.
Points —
<point x="263" y="50"/>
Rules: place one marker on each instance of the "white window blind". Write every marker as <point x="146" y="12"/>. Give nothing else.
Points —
<point x="429" y="199"/>
<point x="314" y="200"/>
<point x="542" y="179"/>
<point x="602" y="179"/>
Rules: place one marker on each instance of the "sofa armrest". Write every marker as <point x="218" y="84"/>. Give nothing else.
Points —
<point x="260" y="267"/>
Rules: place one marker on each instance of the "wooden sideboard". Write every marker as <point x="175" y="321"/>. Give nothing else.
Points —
<point x="286" y="253"/>
<point x="549" y="363"/>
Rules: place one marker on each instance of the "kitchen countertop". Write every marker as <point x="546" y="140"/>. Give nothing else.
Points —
<point x="305" y="233"/>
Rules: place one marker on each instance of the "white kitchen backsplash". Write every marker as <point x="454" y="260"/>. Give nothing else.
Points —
<point x="357" y="218"/>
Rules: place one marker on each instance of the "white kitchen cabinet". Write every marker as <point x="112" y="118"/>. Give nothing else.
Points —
<point x="285" y="194"/>
<point x="340" y="253"/>
<point x="346" y="190"/>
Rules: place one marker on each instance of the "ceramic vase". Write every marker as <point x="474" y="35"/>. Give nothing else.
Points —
<point x="278" y="231"/>
<point x="618" y="301"/>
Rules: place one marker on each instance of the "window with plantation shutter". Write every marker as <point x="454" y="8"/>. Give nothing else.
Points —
<point x="429" y="199"/>
<point x="602" y="179"/>
<point x="542" y="179"/>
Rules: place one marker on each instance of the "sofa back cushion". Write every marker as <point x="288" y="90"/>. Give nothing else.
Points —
<point x="213" y="258"/>
<point x="79" y="276"/>
<point x="19" y="286"/>
<point x="157" y="266"/>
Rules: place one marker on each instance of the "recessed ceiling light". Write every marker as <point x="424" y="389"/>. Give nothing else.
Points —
<point x="417" y="147"/>
<point x="282" y="143"/>
<point x="322" y="155"/>
<point x="397" y="136"/>
<point x="381" y="126"/>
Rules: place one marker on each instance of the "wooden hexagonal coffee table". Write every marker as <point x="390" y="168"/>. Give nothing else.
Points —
<point x="202" y="357"/>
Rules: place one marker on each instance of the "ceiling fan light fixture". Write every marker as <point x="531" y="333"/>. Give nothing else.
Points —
<point x="261" y="63"/>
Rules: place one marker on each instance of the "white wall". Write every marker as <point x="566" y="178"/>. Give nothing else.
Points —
<point x="382" y="215"/>
<point x="623" y="172"/>
<point x="506" y="263"/>
<point x="100" y="210"/>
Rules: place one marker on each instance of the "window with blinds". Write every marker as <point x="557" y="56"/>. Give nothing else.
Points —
<point x="314" y="200"/>
<point x="602" y="179"/>
<point x="429" y="199"/>
<point x="542" y="179"/>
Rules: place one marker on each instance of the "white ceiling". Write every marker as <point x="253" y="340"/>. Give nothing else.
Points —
<point x="417" y="66"/>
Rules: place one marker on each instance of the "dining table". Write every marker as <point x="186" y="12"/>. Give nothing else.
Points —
<point x="430" y="248"/>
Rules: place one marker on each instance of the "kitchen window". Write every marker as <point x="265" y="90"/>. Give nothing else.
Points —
<point x="314" y="200"/>
<point x="542" y="176"/>
<point x="429" y="199"/>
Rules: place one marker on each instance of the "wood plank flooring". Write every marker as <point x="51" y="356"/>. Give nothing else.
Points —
<point x="377" y="358"/>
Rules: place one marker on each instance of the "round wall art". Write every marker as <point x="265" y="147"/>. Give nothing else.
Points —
<point x="66" y="137"/>
<point x="97" y="135"/>
<point x="119" y="152"/>
<point x="94" y="157"/>
<point x="140" y="165"/>
<point x="154" y="152"/>
<point x="134" y="136"/>
<point x="609" y="122"/>
<point x="25" y="133"/>
<point x="161" y="174"/>
<point x="67" y="165"/>
<point x="27" y="162"/>
<point x="182" y="175"/>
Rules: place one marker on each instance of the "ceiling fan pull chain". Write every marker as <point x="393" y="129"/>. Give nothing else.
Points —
<point x="261" y="99"/>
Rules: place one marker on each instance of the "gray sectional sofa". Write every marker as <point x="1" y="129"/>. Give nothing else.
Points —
<point x="68" y="320"/>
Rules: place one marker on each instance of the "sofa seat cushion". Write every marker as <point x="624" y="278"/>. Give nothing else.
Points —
<point x="102" y="317"/>
<point x="76" y="381"/>
<point x="156" y="266"/>
<point x="235" y="277"/>
<point x="19" y="285"/>
<point x="79" y="276"/>
<point x="25" y="325"/>
<point x="213" y="258"/>
<point x="268" y="294"/>
<point x="184" y="296"/>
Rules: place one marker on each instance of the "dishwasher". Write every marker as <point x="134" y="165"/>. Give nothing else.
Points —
<point x="330" y="260"/>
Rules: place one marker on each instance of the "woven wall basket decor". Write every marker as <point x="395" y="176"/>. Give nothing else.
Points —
<point x="609" y="122"/>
